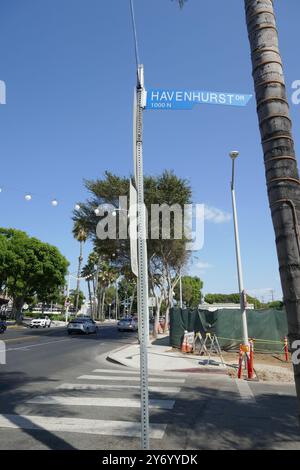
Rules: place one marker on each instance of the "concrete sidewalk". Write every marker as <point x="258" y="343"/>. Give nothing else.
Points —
<point x="162" y="357"/>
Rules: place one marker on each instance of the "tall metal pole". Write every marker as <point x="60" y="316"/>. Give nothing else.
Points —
<point x="142" y="262"/>
<point x="180" y="288"/>
<point x="233" y="156"/>
<point x="68" y="301"/>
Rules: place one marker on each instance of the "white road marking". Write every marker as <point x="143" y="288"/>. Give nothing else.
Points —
<point x="92" y="401"/>
<point x="36" y="345"/>
<point x="91" y="386"/>
<point x="137" y="372"/>
<point x="78" y="425"/>
<point x="130" y="379"/>
<point x="245" y="391"/>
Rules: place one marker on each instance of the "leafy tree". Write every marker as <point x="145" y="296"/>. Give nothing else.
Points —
<point x="76" y="296"/>
<point x="231" y="298"/>
<point x="166" y="257"/>
<point x="191" y="291"/>
<point x="127" y="292"/>
<point x="29" y="267"/>
<point x="276" y="305"/>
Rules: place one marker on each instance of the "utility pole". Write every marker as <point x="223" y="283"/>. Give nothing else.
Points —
<point x="142" y="258"/>
<point x="233" y="156"/>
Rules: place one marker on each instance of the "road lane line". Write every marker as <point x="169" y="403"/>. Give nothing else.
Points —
<point x="79" y="425"/>
<point x="37" y="345"/>
<point x="91" y="386"/>
<point x="137" y="372"/>
<point x="245" y="391"/>
<point x="21" y="338"/>
<point x="102" y="401"/>
<point x="130" y="379"/>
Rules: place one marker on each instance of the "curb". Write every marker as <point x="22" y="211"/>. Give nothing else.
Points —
<point x="110" y="359"/>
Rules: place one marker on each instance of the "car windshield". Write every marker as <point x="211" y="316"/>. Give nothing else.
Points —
<point x="80" y="320"/>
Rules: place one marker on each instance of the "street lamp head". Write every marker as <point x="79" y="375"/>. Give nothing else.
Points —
<point x="234" y="154"/>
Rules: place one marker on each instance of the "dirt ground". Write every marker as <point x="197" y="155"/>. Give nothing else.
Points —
<point x="268" y="367"/>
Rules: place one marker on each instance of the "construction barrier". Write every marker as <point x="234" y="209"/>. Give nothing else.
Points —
<point x="227" y="325"/>
<point x="188" y="341"/>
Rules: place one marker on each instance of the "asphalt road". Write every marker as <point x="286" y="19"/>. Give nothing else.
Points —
<point x="60" y="392"/>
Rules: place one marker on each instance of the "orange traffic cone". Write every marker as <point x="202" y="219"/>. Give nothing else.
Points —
<point x="184" y="345"/>
<point x="251" y="361"/>
<point x="240" y="362"/>
<point x="189" y="347"/>
<point x="286" y="349"/>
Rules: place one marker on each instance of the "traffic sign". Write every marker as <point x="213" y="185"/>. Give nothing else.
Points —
<point x="186" y="99"/>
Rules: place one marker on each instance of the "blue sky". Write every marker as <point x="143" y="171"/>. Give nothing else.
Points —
<point x="69" y="70"/>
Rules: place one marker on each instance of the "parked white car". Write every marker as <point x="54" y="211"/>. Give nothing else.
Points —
<point x="44" y="322"/>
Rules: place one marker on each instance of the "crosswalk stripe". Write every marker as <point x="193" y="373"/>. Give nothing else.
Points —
<point x="137" y="372"/>
<point x="102" y="401"/>
<point x="91" y="386"/>
<point x="79" y="425"/>
<point x="131" y="379"/>
<point x="245" y="391"/>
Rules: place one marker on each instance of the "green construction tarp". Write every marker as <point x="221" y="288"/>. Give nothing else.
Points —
<point x="267" y="327"/>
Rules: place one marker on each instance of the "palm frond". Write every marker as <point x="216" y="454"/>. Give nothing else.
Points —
<point x="181" y="2"/>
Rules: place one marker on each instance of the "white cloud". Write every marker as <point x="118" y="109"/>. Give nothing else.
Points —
<point x="203" y="265"/>
<point x="216" y="216"/>
<point x="199" y="267"/>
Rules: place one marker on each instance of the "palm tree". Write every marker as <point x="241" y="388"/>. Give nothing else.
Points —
<point x="281" y="168"/>
<point x="88" y="272"/>
<point x="279" y="156"/>
<point x="80" y="234"/>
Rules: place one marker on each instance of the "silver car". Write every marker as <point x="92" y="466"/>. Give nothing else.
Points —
<point x="82" y="325"/>
<point x="128" y="324"/>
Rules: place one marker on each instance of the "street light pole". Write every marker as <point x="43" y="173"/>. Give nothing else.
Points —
<point x="233" y="155"/>
<point x="180" y="288"/>
<point x="68" y="301"/>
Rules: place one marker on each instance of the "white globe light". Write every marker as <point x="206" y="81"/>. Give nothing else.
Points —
<point x="234" y="154"/>
<point x="97" y="212"/>
<point x="54" y="202"/>
<point x="77" y="207"/>
<point x="114" y="213"/>
<point x="28" y="197"/>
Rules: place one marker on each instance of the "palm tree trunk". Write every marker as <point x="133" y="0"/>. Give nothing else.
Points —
<point x="132" y="300"/>
<point x="90" y="296"/>
<point x="103" y="306"/>
<point x="80" y="258"/>
<point x="279" y="156"/>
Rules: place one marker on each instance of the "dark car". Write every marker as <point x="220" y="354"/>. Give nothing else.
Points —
<point x="2" y="326"/>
